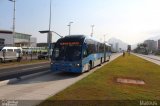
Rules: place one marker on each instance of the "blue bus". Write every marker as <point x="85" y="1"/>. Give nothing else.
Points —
<point x="78" y="53"/>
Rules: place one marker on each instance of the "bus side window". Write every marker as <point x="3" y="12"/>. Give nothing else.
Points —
<point x="91" y="48"/>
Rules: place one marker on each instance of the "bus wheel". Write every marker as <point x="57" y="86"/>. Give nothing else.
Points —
<point x="109" y="58"/>
<point x="90" y="65"/>
<point x="100" y="62"/>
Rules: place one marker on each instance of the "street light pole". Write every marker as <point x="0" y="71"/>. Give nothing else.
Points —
<point x="92" y="30"/>
<point x="49" y="38"/>
<point x="14" y="18"/>
<point x="50" y="15"/>
<point x="104" y="38"/>
<point x="69" y="25"/>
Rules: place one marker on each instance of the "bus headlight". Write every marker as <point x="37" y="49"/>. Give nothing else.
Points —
<point x="77" y="65"/>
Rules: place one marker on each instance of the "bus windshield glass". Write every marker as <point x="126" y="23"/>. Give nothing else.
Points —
<point x="67" y="51"/>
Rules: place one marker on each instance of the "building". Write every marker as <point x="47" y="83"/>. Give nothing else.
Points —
<point x="1" y="42"/>
<point x="20" y="39"/>
<point x="159" y="44"/>
<point x="33" y="42"/>
<point x="112" y="49"/>
<point x="151" y="45"/>
<point x="129" y="48"/>
<point x="6" y="38"/>
<point x="117" y="47"/>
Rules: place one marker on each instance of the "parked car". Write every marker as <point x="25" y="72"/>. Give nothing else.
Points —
<point x="43" y="55"/>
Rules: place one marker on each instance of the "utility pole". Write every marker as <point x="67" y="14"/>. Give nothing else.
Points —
<point x="49" y="38"/>
<point x="69" y="25"/>
<point x="104" y="38"/>
<point x="50" y="15"/>
<point x="92" y="30"/>
<point x="14" y="18"/>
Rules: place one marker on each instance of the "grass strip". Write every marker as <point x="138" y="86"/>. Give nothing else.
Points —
<point x="101" y="85"/>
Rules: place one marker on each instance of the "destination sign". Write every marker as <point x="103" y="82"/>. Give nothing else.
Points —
<point x="70" y="43"/>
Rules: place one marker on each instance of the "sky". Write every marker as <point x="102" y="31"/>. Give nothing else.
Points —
<point x="131" y="21"/>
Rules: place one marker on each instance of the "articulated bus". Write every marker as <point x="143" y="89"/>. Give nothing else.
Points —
<point x="78" y="53"/>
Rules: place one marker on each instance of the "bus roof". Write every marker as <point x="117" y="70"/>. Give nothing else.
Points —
<point x="75" y="36"/>
<point x="80" y="37"/>
<point x="72" y="38"/>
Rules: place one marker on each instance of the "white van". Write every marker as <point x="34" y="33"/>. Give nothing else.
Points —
<point x="10" y="53"/>
<point x="12" y="49"/>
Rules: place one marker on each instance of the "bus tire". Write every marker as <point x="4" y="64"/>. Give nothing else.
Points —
<point x="109" y="58"/>
<point x="90" y="65"/>
<point x="100" y="62"/>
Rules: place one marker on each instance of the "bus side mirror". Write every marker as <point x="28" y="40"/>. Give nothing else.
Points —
<point x="85" y="53"/>
<point x="56" y="52"/>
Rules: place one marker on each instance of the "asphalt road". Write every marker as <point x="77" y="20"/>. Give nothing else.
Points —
<point x="35" y="89"/>
<point x="16" y="72"/>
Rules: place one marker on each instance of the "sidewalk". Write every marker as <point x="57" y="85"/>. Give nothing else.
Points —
<point x="151" y="58"/>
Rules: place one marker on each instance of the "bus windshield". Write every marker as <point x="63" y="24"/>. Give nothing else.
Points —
<point x="67" y="52"/>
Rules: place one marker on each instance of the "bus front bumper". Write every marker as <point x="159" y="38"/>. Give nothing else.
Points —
<point x="58" y="67"/>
